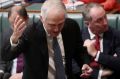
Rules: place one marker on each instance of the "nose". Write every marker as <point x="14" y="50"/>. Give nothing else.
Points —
<point x="56" y="29"/>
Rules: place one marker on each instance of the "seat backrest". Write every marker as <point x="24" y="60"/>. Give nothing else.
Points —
<point x="118" y="22"/>
<point x="5" y="22"/>
<point x="78" y="18"/>
<point x="0" y="30"/>
<point x="112" y="20"/>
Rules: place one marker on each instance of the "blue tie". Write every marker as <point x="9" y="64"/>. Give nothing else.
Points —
<point x="60" y="71"/>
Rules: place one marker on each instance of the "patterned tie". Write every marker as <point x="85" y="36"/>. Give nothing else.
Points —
<point x="20" y="63"/>
<point x="97" y="46"/>
<point x="60" y="71"/>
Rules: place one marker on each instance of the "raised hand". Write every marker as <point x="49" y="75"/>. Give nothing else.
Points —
<point x="18" y="28"/>
<point x="90" y="44"/>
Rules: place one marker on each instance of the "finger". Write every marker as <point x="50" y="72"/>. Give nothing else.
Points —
<point x="19" y="23"/>
<point x="21" y="26"/>
<point x="16" y="25"/>
<point x="86" y="42"/>
<point x="90" y="70"/>
<point x="21" y="30"/>
<point x="16" y="19"/>
<point x="93" y="41"/>
<point x="84" y="75"/>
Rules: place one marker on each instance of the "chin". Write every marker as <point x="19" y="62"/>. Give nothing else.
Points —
<point x="54" y="35"/>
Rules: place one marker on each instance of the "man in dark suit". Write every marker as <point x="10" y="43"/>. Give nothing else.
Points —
<point x="10" y="68"/>
<point x="36" y="41"/>
<point x="107" y="57"/>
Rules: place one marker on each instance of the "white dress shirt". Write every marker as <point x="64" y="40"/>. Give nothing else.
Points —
<point x="92" y="37"/>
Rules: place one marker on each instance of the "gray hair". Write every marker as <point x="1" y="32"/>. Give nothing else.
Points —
<point x="86" y="11"/>
<point x="49" y="4"/>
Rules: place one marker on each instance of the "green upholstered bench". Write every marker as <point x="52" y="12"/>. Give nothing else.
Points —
<point x="113" y="21"/>
<point x="118" y="24"/>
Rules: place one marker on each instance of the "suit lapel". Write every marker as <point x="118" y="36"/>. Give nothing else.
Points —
<point x="107" y="41"/>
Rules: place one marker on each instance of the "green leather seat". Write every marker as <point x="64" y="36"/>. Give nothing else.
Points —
<point x="78" y="18"/>
<point x="5" y="22"/>
<point x="112" y="20"/>
<point x="118" y="23"/>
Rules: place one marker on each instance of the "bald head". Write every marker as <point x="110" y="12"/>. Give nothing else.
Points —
<point x="89" y="8"/>
<point x="53" y="15"/>
<point x="56" y="7"/>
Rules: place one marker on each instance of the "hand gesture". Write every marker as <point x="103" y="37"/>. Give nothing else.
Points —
<point x="90" y="44"/>
<point x="18" y="28"/>
<point x="86" y="71"/>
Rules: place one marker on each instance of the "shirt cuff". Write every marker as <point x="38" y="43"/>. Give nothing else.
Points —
<point x="100" y="74"/>
<point x="1" y="71"/>
<point x="97" y="56"/>
<point x="12" y="44"/>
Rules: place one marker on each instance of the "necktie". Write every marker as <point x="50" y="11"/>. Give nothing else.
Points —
<point x="97" y="46"/>
<point x="19" y="63"/>
<point x="60" y="71"/>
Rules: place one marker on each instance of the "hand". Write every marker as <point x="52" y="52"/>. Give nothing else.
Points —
<point x="16" y="76"/>
<point x="86" y="71"/>
<point x="90" y="44"/>
<point x="106" y="72"/>
<point x="18" y="28"/>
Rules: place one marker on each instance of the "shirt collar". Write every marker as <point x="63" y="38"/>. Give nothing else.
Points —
<point x="92" y="35"/>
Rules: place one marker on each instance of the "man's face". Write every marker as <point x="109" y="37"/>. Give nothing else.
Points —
<point x="12" y="18"/>
<point x="99" y="23"/>
<point x="54" y="23"/>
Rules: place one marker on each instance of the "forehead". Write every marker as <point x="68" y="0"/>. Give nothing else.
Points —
<point x="97" y="12"/>
<point x="55" y="16"/>
<point x="13" y="14"/>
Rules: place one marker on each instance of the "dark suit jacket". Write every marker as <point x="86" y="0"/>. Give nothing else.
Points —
<point x="34" y="44"/>
<point x="5" y="66"/>
<point x="111" y="45"/>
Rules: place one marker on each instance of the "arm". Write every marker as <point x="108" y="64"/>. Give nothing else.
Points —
<point x="105" y="59"/>
<point x="87" y="72"/>
<point x="9" y="52"/>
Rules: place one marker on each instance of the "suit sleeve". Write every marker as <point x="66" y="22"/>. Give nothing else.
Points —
<point x="108" y="59"/>
<point x="9" y="52"/>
